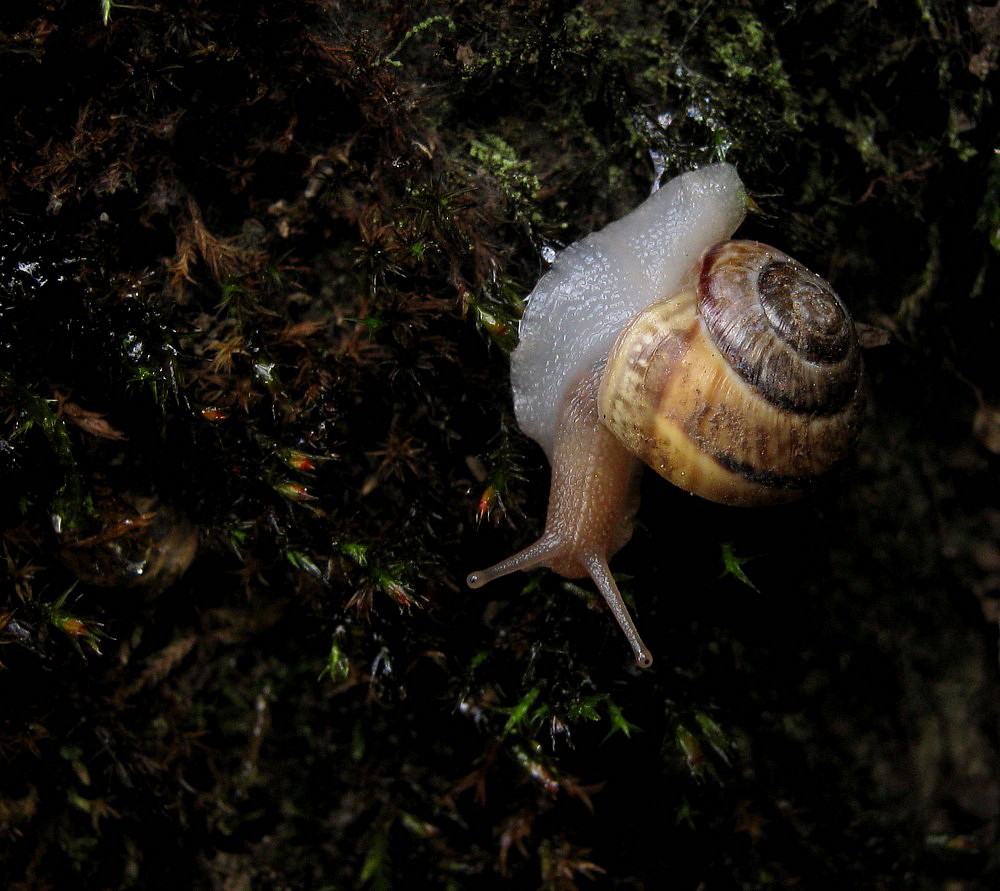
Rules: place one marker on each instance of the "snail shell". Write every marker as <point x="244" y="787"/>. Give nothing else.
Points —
<point x="726" y="366"/>
<point x="744" y="388"/>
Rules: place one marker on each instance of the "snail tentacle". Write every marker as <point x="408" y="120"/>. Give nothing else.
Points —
<point x="548" y="550"/>
<point x="597" y="568"/>
<point x="545" y="551"/>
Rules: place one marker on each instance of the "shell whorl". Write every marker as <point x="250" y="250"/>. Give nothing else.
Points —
<point x="746" y="386"/>
<point x="782" y="327"/>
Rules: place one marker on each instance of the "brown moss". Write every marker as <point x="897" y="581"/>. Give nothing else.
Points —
<point x="260" y="267"/>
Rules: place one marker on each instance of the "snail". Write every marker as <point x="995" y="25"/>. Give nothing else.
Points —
<point x="726" y="366"/>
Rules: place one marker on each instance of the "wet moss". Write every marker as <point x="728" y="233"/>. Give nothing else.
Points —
<point x="260" y="270"/>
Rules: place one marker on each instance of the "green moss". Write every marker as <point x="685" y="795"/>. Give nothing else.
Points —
<point x="70" y="501"/>
<point x="258" y="290"/>
<point x="732" y="565"/>
<point x="514" y="176"/>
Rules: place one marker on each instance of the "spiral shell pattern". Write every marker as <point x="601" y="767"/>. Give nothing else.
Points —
<point x="744" y="388"/>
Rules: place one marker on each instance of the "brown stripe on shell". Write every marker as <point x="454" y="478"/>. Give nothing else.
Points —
<point x="738" y="426"/>
<point x="792" y="485"/>
<point x="675" y="402"/>
<point x="780" y="326"/>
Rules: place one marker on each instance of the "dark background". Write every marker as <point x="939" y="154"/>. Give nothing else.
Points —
<point x="260" y="270"/>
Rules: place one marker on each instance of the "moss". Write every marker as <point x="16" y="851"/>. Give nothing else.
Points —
<point x="260" y="270"/>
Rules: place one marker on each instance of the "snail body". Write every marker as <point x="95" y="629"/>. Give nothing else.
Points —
<point x="726" y="366"/>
